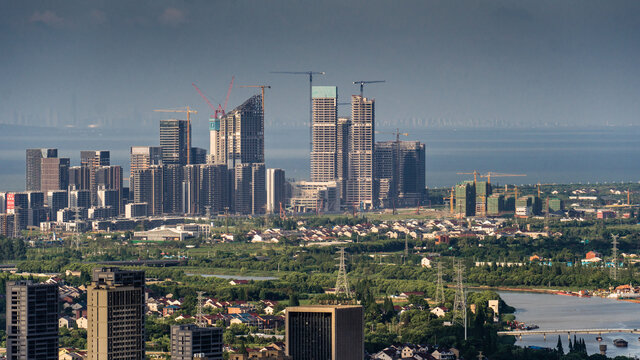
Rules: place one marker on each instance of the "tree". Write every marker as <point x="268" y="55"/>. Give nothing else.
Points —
<point x="293" y="300"/>
<point x="559" y="348"/>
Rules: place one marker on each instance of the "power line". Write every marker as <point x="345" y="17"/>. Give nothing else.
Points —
<point x="460" y="302"/>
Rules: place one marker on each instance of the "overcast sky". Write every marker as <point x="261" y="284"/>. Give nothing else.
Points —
<point x="445" y="62"/>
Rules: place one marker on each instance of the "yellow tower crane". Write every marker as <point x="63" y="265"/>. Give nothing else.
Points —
<point x="262" y="87"/>
<point x="189" y="112"/>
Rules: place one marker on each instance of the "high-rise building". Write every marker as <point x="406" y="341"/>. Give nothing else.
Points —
<point x="276" y="190"/>
<point x="400" y="172"/>
<point x="54" y="174"/>
<point x="33" y="166"/>
<point x="239" y="144"/>
<point x="198" y="155"/>
<point x="241" y="135"/>
<point x="149" y="189"/>
<point x="343" y="140"/>
<point x="79" y="178"/>
<point x="79" y="199"/>
<point x="174" y="141"/>
<point x="141" y="158"/>
<point x="324" y="133"/>
<point x="92" y="160"/>
<point x="110" y="178"/>
<point x="325" y="332"/>
<point x="32" y="321"/>
<point x="115" y="314"/>
<point x="191" y="190"/>
<point x="173" y="176"/>
<point x="95" y="158"/>
<point x="361" y="189"/>
<point x="109" y="199"/>
<point x="190" y="341"/>
<point x="465" y="199"/>
<point x="217" y="188"/>
<point x="57" y="200"/>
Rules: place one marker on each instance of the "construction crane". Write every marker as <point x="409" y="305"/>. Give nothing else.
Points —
<point x="310" y="74"/>
<point x="189" y="112"/>
<point x="262" y="87"/>
<point x="362" y="82"/>
<point x="474" y="173"/>
<point x="397" y="133"/>
<point x="490" y="174"/>
<point x="204" y="97"/>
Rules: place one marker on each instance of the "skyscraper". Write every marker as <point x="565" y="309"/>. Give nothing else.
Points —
<point x="109" y="178"/>
<point x="361" y="184"/>
<point x="276" y="188"/>
<point x="33" y="165"/>
<point x="241" y="135"/>
<point x="400" y="172"/>
<point x="92" y="159"/>
<point x="190" y="340"/>
<point x="174" y="141"/>
<point x="54" y="174"/>
<point x="79" y="178"/>
<point x="141" y="158"/>
<point x="343" y="140"/>
<point x="149" y="189"/>
<point x="240" y="146"/>
<point x="32" y="321"/>
<point x="325" y="332"/>
<point x="115" y="312"/>
<point x="324" y="133"/>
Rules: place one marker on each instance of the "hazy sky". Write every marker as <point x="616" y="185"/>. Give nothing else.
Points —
<point x="447" y="62"/>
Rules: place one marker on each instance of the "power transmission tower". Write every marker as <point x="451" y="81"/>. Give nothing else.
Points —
<point x="460" y="302"/>
<point x="200" y="315"/>
<point x="440" y="286"/>
<point x="614" y="251"/>
<point x="342" y="285"/>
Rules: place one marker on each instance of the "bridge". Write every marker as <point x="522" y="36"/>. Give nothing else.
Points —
<point x="544" y="333"/>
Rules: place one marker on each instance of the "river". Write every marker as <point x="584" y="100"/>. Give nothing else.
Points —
<point x="568" y="312"/>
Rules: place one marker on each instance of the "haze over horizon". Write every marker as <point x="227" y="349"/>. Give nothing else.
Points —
<point x="495" y="63"/>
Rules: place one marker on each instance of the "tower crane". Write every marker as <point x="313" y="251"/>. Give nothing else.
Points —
<point x="204" y="97"/>
<point x="362" y="82"/>
<point x="490" y="174"/>
<point x="475" y="174"/>
<point x="262" y="87"/>
<point x="189" y="112"/>
<point x="310" y="74"/>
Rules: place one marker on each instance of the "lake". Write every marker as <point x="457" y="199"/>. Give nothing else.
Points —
<point x="569" y="312"/>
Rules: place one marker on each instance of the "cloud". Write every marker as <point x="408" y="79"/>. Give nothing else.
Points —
<point x="172" y="17"/>
<point x="98" y="17"/>
<point x="47" y="17"/>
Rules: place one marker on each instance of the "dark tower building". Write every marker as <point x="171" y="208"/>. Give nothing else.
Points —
<point x="33" y="166"/>
<point x="32" y="321"/>
<point x="400" y="171"/>
<point x="325" y="332"/>
<point x="173" y="141"/>
<point x="190" y="341"/>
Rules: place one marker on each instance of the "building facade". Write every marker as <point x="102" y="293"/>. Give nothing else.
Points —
<point x="276" y="190"/>
<point x="325" y="332"/>
<point x="32" y="321"/>
<point x="190" y="341"/>
<point x="33" y="164"/>
<point x="54" y="174"/>
<point x="175" y="141"/>
<point x="115" y="314"/>
<point x="400" y="172"/>
<point x="361" y="187"/>
<point x="324" y="133"/>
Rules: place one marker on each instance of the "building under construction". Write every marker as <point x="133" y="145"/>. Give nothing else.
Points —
<point x="400" y="171"/>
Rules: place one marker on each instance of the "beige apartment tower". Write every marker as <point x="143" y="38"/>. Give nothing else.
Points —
<point x="115" y="311"/>
<point x="332" y="332"/>
<point x="324" y="133"/>
<point x="361" y="189"/>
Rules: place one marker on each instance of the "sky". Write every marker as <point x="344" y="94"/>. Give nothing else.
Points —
<point x="446" y="63"/>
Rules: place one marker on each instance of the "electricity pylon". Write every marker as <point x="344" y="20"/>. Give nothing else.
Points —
<point x="200" y="315"/>
<point x="439" y="286"/>
<point x="614" y="251"/>
<point x="342" y="285"/>
<point x="460" y="302"/>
